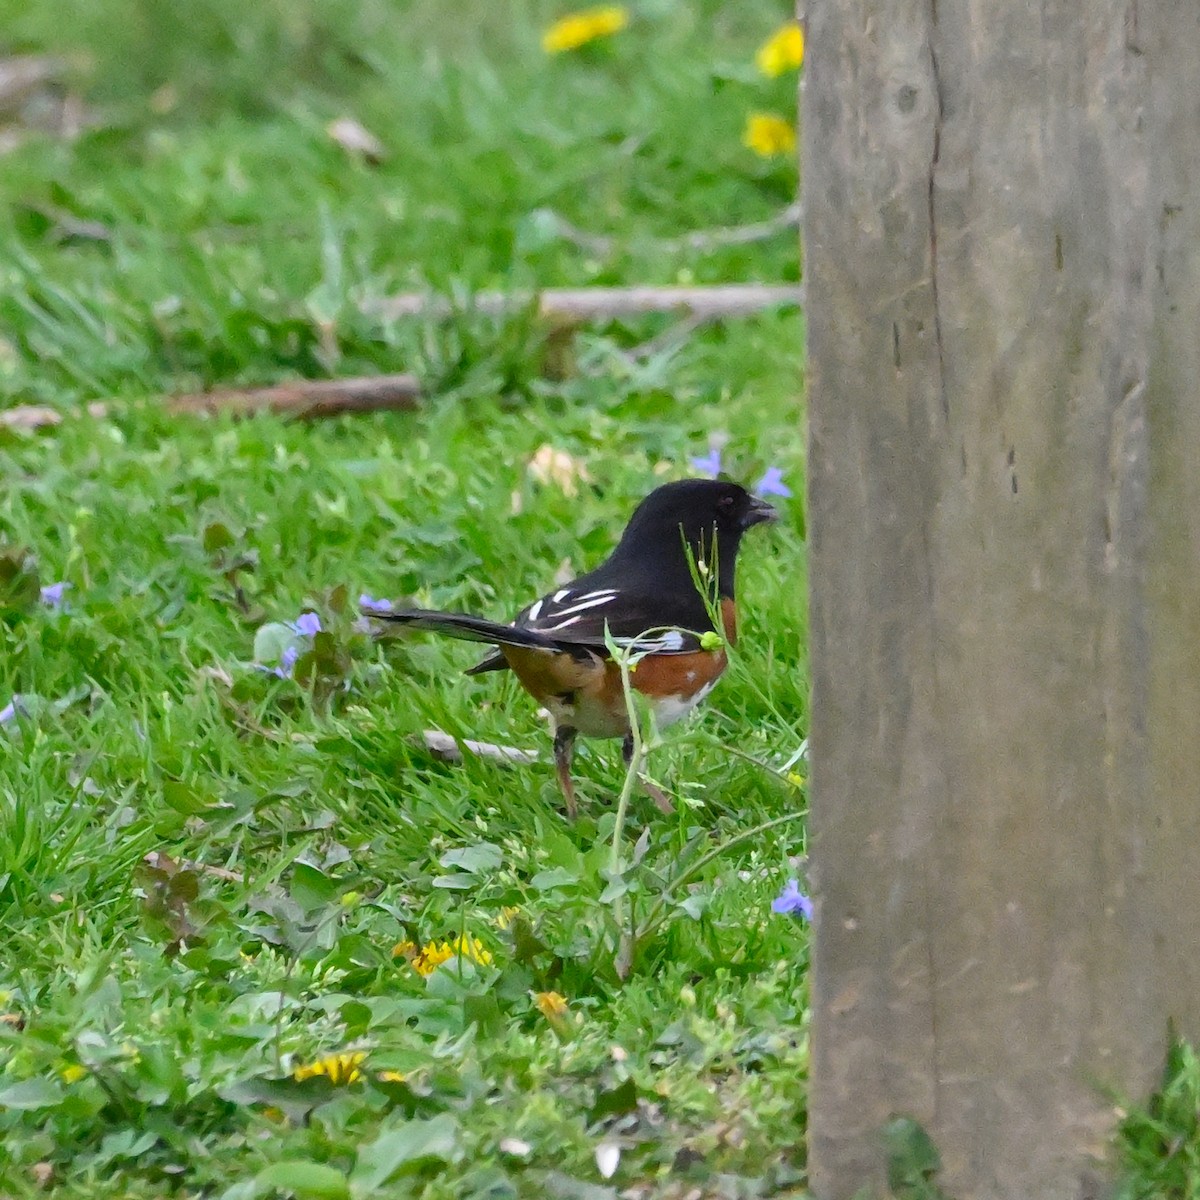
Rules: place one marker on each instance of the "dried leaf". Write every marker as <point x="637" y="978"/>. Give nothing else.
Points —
<point x="25" y="73"/>
<point x="608" y="1159"/>
<point x="551" y="465"/>
<point x="30" y="416"/>
<point x="356" y="138"/>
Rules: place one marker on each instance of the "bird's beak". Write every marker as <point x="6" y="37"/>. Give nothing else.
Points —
<point x="758" y="512"/>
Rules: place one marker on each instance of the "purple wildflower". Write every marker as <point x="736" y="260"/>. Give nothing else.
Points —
<point x="287" y="660"/>
<point x="369" y="604"/>
<point x="771" y="484"/>
<point x="793" y="902"/>
<point x="710" y="464"/>
<point x="52" y="594"/>
<point x="307" y="624"/>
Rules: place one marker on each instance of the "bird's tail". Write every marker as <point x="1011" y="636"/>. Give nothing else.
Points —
<point x="468" y="628"/>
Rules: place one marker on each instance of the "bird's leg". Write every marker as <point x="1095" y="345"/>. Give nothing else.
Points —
<point x="661" y="800"/>
<point x="564" y="746"/>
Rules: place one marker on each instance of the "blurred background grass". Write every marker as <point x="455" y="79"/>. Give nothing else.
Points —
<point x="232" y="222"/>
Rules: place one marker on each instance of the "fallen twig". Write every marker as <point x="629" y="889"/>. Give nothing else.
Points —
<point x="30" y="416"/>
<point x="450" y="749"/>
<point x="603" y="244"/>
<point x="303" y="398"/>
<point x="307" y="398"/>
<point x="604" y="303"/>
<point x="38" y="416"/>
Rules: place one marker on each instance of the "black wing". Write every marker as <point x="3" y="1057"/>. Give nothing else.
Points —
<point x="574" y="618"/>
<point x="578" y="615"/>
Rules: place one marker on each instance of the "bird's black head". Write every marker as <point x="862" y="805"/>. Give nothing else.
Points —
<point x="690" y="512"/>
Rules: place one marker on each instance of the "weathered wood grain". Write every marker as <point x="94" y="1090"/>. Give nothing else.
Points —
<point x="1002" y="258"/>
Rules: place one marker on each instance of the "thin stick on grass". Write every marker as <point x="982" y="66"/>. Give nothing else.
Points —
<point x="603" y="303"/>
<point x="450" y="749"/>
<point x="307" y="399"/>
<point x="304" y="399"/>
<point x="698" y="239"/>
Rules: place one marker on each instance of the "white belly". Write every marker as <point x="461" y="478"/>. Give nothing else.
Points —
<point x="669" y="709"/>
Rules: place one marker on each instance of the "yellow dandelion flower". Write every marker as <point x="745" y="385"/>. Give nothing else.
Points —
<point x="405" y="949"/>
<point x="434" y="954"/>
<point x="507" y="915"/>
<point x="74" y="1073"/>
<point x="431" y="957"/>
<point x="768" y="135"/>
<point x="391" y="1077"/>
<point x="578" y="28"/>
<point x="552" y="1005"/>
<point x="340" y="1069"/>
<point x="782" y="51"/>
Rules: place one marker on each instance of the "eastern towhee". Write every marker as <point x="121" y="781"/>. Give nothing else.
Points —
<point x="649" y="595"/>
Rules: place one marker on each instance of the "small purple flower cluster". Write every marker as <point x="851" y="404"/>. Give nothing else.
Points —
<point x="793" y="902"/>
<point x="369" y="604"/>
<point x="771" y="484"/>
<point x="52" y="594"/>
<point x="306" y="625"/>
<point x="287" y="660"/>
<point x="710" y="464"/>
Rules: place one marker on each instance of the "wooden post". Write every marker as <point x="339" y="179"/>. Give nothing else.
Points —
<point x="1002" y="262"/>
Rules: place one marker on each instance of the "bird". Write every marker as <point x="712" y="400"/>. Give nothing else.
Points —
<point x="649" y="596"/>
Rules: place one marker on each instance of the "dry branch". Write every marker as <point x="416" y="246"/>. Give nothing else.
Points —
<point x="307" y="398"/>
<point x="30" y="416"/>
<point x="604" y="303"/>
<point x="450" y="749"/>
<point x="303" y="398"/>
<point x="699" y="239"/>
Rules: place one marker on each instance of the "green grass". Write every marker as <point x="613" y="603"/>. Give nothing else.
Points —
<point x="157" y="1010"/>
